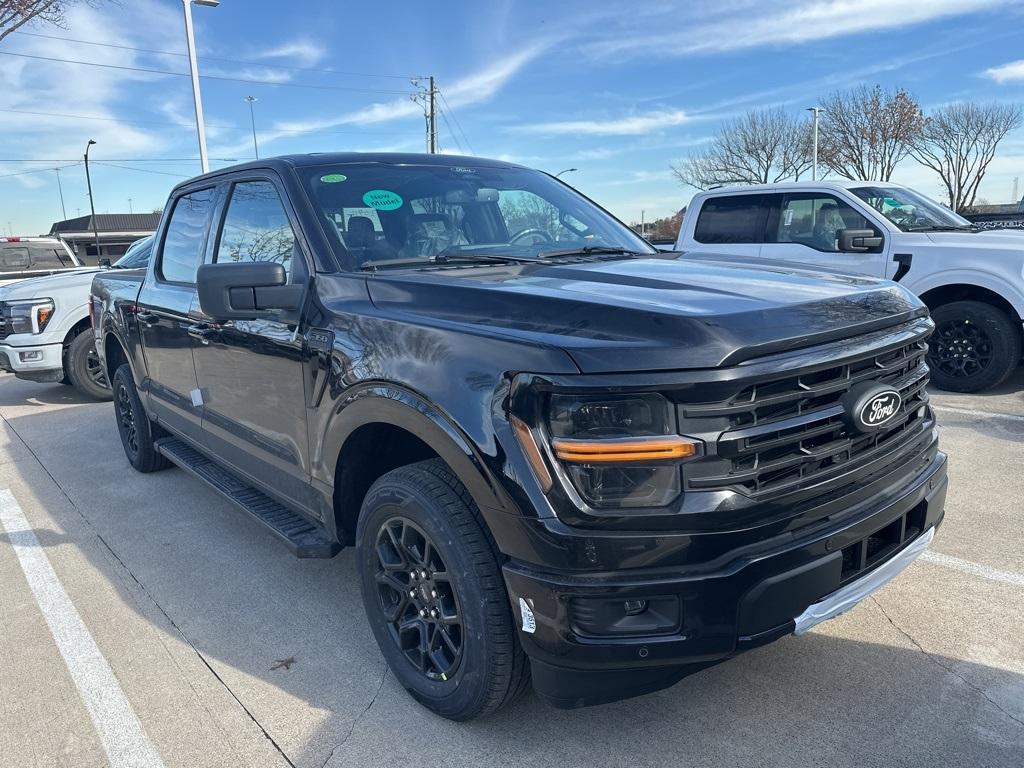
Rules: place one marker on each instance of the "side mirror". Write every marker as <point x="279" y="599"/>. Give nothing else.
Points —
<point x="104" y="262"/>
<point x="245" y="290"/>
<point x="859" y="240"/>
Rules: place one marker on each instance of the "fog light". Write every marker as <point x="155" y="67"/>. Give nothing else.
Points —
<point x="33" y="356"/>
<point x="634" y="607"/>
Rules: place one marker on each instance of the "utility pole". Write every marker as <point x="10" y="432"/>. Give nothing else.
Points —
<point x="60" y="189"/>
<point x="252" y="119"/>
<point x="1016" y="187"/>
<point x="643" y="226"/>
<point x="194" y="69"/>
<point x="92" y="205"/>
<point x="428" y="98"/>
<point x="130" y="206"/>
<point x="814" y="166"/>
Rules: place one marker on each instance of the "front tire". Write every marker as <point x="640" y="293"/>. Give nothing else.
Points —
<point x="83" y="369"/>
<point x="136" y="430"/>
<point x="434" y="594"/>
<point x="975" y="347"/>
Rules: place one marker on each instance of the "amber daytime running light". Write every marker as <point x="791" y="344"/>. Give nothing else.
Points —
<point x="620" y="450"/>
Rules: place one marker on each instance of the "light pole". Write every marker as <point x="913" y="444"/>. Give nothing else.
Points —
<point x="567" y="170"/>
<point x="130" y="206"/>
<point x="194" y="68"/>
<point x="814" y="166"/>
<point x="60" y="189"/>
<point x="92" y="205"/>
<point x="252" y="119"/>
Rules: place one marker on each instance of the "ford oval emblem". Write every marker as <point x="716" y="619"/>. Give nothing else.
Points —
<point x="870" y="406"/>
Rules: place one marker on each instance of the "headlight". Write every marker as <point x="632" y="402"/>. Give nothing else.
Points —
<point x="619" y="450"/>
<point x="30" y="316"/>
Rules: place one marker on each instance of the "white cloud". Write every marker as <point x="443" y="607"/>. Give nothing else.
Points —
<point x="630" y="125"/>
<point x="741" y="25"/>
<point x="1006" y="73"/>
<point x="305" y="52"/>
<point x="475" y="88"/>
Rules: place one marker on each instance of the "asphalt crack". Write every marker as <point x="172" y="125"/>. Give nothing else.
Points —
<point x="149" y="596"/>
<point x="355" y="722"/>
<point x="938" y="662"/>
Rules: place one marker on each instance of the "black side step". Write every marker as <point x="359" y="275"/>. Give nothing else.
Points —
<point x="302" y="537"/>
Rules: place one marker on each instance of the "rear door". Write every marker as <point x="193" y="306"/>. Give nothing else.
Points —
<point x="251" y="372"/>
<point x="731" y="224"/>
<point x="167" y="296"/>
<point x="804" y="227"/>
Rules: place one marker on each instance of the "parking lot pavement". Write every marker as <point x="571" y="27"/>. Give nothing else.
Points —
<point x="227" y="651"/>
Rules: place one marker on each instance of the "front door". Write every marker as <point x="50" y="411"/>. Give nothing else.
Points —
<point x="804" y="228"/>
<point x="163" y="315"/>
<point x="250" y="372"/>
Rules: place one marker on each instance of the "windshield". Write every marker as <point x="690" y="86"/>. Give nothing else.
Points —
<point x="137" y="255"/>
<point x="909" y="210"/>
<point x="405" y="214"/>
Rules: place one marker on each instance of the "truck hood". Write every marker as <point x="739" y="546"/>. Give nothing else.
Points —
<point x="658" y="313"/>
<point x="36" y="287"/>
<point x="996" y="241"/>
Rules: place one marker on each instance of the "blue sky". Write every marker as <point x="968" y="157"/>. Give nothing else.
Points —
<point x="617" y="90"/>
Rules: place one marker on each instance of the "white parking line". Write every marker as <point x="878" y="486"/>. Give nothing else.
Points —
<point x="977" y="413"/>
<point x="975" y="569"/>
<point x="120" y="731"/>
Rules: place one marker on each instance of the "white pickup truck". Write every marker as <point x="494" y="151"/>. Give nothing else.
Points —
<point x="45" y="332"/>
<point x="972" y="280"/>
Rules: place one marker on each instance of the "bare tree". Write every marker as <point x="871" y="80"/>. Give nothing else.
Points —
<point x="14" y="14"/>
<point x="762" y="147"/>
<point x="960" y="140"/>
<point x="866" y="131"/>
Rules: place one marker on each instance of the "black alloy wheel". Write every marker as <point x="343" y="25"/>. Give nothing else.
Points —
<point x="418" y="599"/>
<point x="960" y="348"/>
<point x="137" y="432"/>
<point x="126" y="422"/>
<point x="975" y="346"/>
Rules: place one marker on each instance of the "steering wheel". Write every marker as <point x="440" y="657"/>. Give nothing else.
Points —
<point x="543" y="234"/>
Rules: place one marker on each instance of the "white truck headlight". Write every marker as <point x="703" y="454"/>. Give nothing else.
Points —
<point x="28" y="316"/>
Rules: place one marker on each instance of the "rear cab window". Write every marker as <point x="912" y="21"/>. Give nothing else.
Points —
<point x="13" y="258"/>
<point x="732" y="219"/>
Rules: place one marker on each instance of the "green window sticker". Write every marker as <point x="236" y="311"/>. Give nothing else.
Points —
<point x="333" y="178"/>
<point x="383" y="199"/>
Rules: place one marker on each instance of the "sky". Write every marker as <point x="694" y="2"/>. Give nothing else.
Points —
<point x="617" y="90"/>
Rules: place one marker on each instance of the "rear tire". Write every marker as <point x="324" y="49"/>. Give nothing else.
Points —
<point x="975" y="347"/>
<point x="416" y="520"/>
<point x="83" y="369"/>
<point x="136" y="430"/>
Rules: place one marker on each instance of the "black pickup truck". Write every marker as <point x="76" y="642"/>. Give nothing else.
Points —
<point x="559" y="453"/>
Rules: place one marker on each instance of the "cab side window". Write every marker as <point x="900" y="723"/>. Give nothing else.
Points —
<point x="815" y="220"/>
<point x="256" y="226"/>
<point x="732" y="219"/>
<point x="185" y="240"/>
<point x="13" y="258"/>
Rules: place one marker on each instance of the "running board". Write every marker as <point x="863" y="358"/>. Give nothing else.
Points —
<point x="302" y="537"/>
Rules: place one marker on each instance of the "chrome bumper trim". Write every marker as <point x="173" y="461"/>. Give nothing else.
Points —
<point x="845" y="598"/>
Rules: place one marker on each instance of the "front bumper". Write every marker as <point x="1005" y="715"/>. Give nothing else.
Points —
<point x="35" y="362"/>
<point x="712" y="611"/>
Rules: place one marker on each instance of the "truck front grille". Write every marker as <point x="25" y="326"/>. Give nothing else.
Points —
<point x="787" y="433"/>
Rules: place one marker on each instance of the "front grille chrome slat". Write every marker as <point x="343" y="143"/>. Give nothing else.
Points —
<point x="787" y="433"/>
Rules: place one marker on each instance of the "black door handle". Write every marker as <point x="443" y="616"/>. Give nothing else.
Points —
<point x="146" y="317"/>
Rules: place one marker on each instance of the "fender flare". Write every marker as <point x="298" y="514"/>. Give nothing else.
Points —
<point x="392" y="404"/>
<point x="974" y="278"/>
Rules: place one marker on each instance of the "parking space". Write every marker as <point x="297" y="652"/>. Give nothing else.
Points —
<point x="228" y="651"/>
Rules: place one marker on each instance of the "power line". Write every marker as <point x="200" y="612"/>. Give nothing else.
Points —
<point x="224" y="78"/>
<point x="250" y="62"/>
<point x="451" y="132"/>
<point x="448" y="107"/>
<point x="141" y="170"/>
<point x="38" y="170"/>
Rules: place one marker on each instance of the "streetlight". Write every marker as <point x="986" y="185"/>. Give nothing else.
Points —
<point x="252" y="119"/>
<point x="194" y="68"/>
<point x="567" y="170"/>
<point x="814" y="166"/>
<point x="130" y="210"/>
<point x="92" y="206"/>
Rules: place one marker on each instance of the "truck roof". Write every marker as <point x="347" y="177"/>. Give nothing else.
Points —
<point x="820" y="184"/>
<point x="282" y="162"/>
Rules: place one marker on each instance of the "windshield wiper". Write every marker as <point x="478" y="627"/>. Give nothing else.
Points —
<point x="587" y="250"/>
<point x="944" y="228"/>
<point x="445" y="258"/>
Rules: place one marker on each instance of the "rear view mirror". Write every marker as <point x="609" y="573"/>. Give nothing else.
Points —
<point x="245" y="290"/>
<point x="859" y="240"/>
<point x="464" y="196"/>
